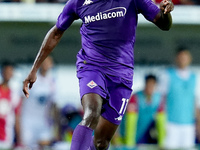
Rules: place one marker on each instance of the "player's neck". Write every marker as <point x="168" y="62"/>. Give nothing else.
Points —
<point x="148" y="96"/>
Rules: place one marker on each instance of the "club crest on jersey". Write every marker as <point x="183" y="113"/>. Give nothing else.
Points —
<point x="92" y="84"/>
<point x="87" y="2"/>
<point x="115" y="12"/>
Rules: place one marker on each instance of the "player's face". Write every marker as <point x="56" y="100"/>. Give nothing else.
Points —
<point x="183" y="59"/>
<point x="7" y="73"/>
<point x="150" y="86"/>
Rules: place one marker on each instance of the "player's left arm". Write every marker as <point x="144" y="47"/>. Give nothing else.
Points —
<point x="164" y="19"/>
<point x="50" y="41"/>
<point x="52" y="38"/>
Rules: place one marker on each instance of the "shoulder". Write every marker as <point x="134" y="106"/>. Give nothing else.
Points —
<point x="71" y="6"/>
<point x="78" y="3"/>
<point x="144" y="3"/>
<point x="157" y="96"/>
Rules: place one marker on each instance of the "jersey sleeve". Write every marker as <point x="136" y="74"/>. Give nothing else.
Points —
<point x="147" y="8"/>
<point x="67" y="16"/>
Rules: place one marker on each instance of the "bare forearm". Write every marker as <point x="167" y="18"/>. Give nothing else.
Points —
<point x="51" y="39"/>
<point x="164" y="21"/>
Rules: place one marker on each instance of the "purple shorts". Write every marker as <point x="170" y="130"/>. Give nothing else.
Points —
<point x="114" y="90"/>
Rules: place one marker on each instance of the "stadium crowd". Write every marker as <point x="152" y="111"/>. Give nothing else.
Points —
<point x="165" y="112"/>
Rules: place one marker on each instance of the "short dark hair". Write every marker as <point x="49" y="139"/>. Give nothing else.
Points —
<point x="6" y="63"/>
<point x="150" y="77"/>
<point x="181" y="49"/>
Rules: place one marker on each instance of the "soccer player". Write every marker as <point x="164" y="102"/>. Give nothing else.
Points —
<point x="35" y="118"/>
<point x="10" y="103"/>
<point x="105" y="62"/>
<point x="179" y="85"/>
<point x="145" y="113"/>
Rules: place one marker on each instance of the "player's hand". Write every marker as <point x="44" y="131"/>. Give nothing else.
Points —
<point x="166" y="6"/>
<point x="28" y="83"/>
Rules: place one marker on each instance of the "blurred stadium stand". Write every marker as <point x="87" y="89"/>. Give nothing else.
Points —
<point x="23" y="26"/>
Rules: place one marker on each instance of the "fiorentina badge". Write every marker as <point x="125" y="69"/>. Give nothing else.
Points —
<point x="92" y="84"/>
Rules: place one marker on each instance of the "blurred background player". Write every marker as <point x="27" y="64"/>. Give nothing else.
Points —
<point x="36" y="119"/>
<point x="178" y="84"/>
<point x="9" y="109"/>
<point x="145" y="116"/>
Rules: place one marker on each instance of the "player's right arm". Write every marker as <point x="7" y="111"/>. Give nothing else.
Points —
<point x="52" y="38"/>
<point x="164" y="19"/>
<point x="161" y="17"/>
<point x="50" y="41"/>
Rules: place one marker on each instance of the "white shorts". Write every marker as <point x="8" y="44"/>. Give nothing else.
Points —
<point x="180" y="136"/>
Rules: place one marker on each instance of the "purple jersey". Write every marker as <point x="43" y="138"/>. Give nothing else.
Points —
<point x="108" y="32"/>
